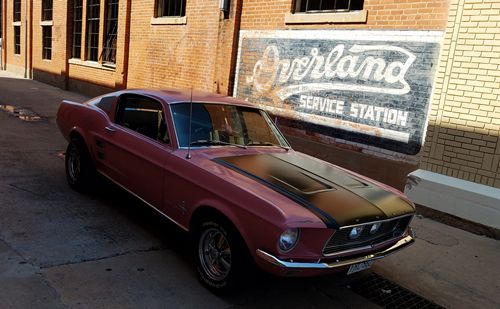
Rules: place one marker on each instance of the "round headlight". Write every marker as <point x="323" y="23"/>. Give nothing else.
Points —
<point x="355" y="232"/>
<point x="374" y="228"/>
<point x="288" y="239"/>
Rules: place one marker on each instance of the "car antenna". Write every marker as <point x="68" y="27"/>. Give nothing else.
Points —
<point x="188" y="156"/>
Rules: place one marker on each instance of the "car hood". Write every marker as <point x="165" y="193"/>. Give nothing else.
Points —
<point x="339" y="198"/>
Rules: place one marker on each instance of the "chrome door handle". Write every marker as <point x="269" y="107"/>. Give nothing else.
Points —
<point x="109" y="129"/>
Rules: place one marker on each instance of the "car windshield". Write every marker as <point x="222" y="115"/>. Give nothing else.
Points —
<point x="222" y="125"/>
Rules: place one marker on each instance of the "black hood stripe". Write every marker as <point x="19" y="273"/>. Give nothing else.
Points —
<point x="333" y="195"/>
<point x="324" y="216"/>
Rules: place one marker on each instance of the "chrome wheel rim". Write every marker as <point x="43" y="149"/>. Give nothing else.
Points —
<point x="214" y="254"/>
<point x="74" y="164"/>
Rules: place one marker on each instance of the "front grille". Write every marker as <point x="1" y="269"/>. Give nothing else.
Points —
<point x="340" y="240"/>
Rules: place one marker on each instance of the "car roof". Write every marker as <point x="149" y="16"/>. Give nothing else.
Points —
<point x="173" y="96"/>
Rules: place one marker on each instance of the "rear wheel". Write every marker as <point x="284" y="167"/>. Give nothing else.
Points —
<point x="80" y="172"/>
<point x="221" y="256"/>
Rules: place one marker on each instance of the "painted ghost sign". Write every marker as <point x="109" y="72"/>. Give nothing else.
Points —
<point x="371" y="87"/>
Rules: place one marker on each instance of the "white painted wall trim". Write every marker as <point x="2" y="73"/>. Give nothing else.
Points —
<point x="461" y="198"/>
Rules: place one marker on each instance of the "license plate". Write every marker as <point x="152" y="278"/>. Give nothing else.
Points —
<point x="359" y="267"/>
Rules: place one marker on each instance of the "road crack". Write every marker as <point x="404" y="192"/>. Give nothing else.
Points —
<point x="152" y="249"/>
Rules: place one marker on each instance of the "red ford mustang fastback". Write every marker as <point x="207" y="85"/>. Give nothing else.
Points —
<point x="219" y="168"/>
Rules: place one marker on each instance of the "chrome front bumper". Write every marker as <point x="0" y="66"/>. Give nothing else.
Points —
<point x="403" y="243"/>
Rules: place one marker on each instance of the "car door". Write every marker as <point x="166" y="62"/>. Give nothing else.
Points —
<point x="135" y="146"/>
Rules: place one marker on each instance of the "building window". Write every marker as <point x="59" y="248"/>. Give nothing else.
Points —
<point x="1" y="19"/>
<point x="47" y="42"/>
<point x="47" y="10"/>
<point x="76" y="45"/>
<point x="92" y="42"/>
<point x="311" y="6"/>
<point x="17" y="40"/>
<point x="110" y="32"/>
<point x="17" y="10"/>
<point x="170" y="8"/>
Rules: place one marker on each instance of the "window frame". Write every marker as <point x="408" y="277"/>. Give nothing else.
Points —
<point x="17" y="40"/>
<point x="110" y="37"/>
<point x="46" y="43"/>
<point x="17" y="10"/>
<point x="76" y="40"/>
<point x="1" y="20"/>
<point x="297" y="3"/>
<point x="118" y="117"/>
<point x="92" y="30"/>
<point x="47" y="10"/>
<point x="160" y="9"/>
<point x="295" y="16"/>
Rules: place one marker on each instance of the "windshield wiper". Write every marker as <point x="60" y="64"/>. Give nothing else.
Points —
<point x="258" y="143"/>
<point x="215" y="142"/>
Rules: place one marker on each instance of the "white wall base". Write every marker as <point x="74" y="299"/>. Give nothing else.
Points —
<point x="461" y="198"/>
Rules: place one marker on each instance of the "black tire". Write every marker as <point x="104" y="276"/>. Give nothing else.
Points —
<point x="222" y="259"/>
<point x="80" y="172"/>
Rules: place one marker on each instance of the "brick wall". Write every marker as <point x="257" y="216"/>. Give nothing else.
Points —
<point x="50" y="71"/>
<point x="382" y="14"/>
<point x="16" y="62"/>
<point x="464" y="126"/>
<point x="92" y="77"/>
<point x="174" y="55"/>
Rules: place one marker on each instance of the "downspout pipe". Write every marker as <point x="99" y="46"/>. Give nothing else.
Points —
<point x="234" y="48"/>
<point x="126" y="53"/>
<point x="68" y="54"/>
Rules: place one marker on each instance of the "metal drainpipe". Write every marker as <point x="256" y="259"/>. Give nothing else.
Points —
<point x="126" y="53"/>
<point x="236" y="44"/>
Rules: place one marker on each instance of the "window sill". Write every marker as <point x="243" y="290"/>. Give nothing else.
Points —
<point x="324" y="18"/>
<point x="90" y="64"/>
<point x="46" y="23"/>
<point x="169" y="20"/>
<point x="16" y="23"/>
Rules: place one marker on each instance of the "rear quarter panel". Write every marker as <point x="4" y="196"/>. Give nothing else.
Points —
<point x="82" y="118"/>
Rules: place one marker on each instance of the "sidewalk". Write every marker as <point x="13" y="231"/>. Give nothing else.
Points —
<point x="449" y="266"/>
<point x="39" y="97"/>
<point x="452" y="267"/>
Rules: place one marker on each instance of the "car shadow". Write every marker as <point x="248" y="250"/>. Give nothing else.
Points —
<point x="262" y="290"/>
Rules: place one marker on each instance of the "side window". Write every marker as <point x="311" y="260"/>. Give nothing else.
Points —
<point x="143" y="115"/>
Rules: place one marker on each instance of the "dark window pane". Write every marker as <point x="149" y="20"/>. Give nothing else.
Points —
<point x="171" y="8"/>
<point x="47" y="10"/>
<point x="17" y="40"/>
<point x="328" y="5"/>
<point x="76" y="50"/>
<point x="17" y="10"/>
<point x="47" y="42"/>
<point x="215" y="124"/>
<point x="110" y="32"/>
<point x="1" y="18"/>
<point x="144" y="116"/>
<point x="357" y="4"/>
<point x="92" y="43"/>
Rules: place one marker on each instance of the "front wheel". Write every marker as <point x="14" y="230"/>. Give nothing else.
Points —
<point x="79" y="168"/>
<point x="221" y="256"/>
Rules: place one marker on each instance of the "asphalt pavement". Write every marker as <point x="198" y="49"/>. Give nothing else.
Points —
<point x="60" y="249"/>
